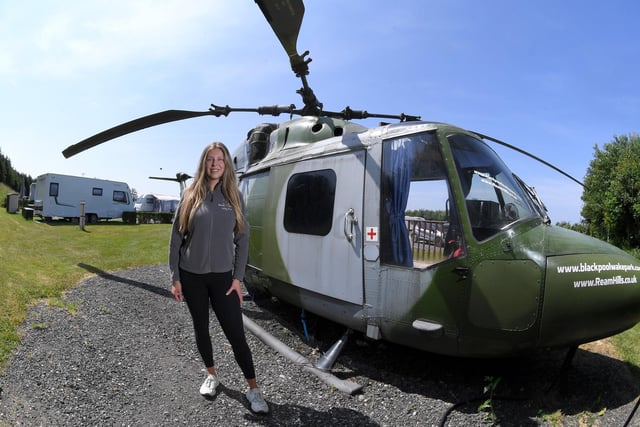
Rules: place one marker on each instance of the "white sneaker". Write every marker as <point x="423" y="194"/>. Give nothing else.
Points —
<point x="208" y="387"/>
<point x="258" y="404"/>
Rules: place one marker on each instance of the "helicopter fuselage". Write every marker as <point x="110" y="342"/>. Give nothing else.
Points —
<point x="484" y="275"/>
<point x="475" y="270"/>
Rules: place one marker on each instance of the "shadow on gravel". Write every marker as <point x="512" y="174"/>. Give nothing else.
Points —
<point x="284" y="415"/>
<point x="524" y="388"/>
<point x="145" y="286"/>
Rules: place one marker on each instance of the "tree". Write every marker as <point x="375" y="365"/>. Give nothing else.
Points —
<point x="428" y="214"/>
<point x="580" y="227"/>
<point x="612" y="191"/>
<point x="11" y="177"/>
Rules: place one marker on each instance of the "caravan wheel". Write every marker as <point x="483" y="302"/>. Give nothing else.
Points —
<point x="92" y="218"/>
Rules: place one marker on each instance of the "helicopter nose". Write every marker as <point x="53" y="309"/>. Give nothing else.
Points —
<point x="589" y="295"/>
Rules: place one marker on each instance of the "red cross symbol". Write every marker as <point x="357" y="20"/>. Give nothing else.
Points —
<point x="372" y="234"/>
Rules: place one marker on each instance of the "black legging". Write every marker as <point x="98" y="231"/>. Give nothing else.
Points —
<point x="198" y="291"/>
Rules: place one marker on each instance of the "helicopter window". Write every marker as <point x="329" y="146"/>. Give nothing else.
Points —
<point x="534" y="199"/>
<point x="493" y="198"/>
<point x="309" y="202"/>
<point x="414" y="179"/>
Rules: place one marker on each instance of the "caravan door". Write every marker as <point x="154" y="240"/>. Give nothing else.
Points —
<point x="319" y="228"/>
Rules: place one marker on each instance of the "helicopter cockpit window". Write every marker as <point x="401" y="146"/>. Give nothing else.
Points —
<point x="417" y="224"/>
<point x="493" y="198"/>
<point x="309" y="202"/>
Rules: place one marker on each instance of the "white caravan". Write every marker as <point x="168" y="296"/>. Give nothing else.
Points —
<point x="157" y="203"/>
<point x="60" y="196"/>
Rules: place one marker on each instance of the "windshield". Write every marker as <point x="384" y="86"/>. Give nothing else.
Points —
<point x="493" y="198"/>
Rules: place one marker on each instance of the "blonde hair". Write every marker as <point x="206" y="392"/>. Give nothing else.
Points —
<point x="195" y="193"/>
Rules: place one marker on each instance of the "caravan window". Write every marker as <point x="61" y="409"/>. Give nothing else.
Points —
<point x="96" y="191"/>
<point x="120" y="196"/>
<point x="53" y="189"/>
<point x="309" y="203"/>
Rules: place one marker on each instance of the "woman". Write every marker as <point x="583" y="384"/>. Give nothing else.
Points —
<point x="208" y="253"/>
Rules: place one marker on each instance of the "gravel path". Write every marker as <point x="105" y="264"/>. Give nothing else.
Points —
<point x="126" y="356"/>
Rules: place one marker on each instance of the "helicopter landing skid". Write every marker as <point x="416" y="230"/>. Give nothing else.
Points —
<point x="345" y="386"/>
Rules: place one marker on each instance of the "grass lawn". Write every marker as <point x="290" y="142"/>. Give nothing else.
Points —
<point x="627" y="345"/>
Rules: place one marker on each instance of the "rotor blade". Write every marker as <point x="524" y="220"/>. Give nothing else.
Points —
<point x="519" y="150"/>
<point x="285" y="18"/>
<point x="164" y="178"/>
<point x="132" y="126"/>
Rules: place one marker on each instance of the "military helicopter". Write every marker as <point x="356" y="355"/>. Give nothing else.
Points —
<point x="326" y="201"/>
<point x="181" y="178"/>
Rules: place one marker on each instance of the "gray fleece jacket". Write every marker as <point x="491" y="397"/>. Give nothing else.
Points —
<point x="211" y="246"/>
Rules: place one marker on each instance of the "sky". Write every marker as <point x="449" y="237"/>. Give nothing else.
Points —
<point x="553" y="78"/>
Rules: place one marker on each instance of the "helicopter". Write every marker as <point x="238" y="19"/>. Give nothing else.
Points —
<point x="181" y="178"/>
<point x="326" y="200"/>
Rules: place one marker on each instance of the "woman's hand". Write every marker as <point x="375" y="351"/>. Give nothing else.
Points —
<point x="236" y="287"/>
<point x="176" y="290"/>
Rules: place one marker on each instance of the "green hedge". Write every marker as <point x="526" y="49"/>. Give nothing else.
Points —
<point x="147" y="217"/>
<point x="129" y="217"/>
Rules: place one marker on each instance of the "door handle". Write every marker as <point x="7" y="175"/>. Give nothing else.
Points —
<point x="351" y="219"/>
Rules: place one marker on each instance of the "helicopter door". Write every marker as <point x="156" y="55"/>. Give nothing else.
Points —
<point x="322" y="236"/>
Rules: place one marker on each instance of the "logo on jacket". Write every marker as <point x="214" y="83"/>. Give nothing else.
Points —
<point x="225" y="206"/>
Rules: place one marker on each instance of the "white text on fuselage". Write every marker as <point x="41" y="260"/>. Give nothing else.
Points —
<point x="614" y="280"/>
<point x="598" y="281"/>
